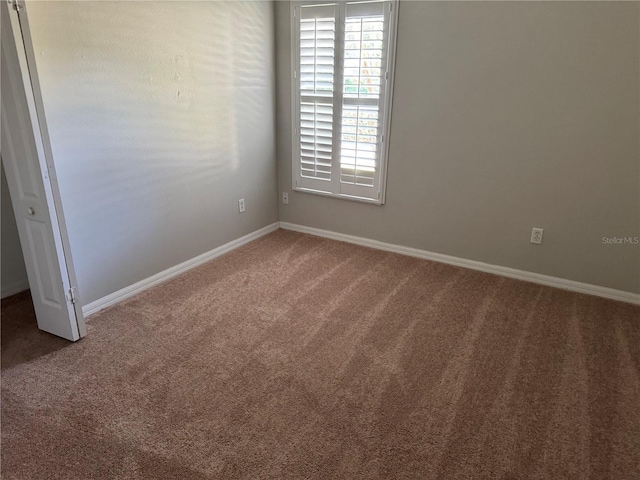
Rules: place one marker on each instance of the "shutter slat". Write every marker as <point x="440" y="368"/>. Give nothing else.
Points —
<point x="316" y="68"/>
<point x="326" y="126"/>
<point x="321" y="151"/>
<point x="325" y="109"/>
<point x="318" y="118"/>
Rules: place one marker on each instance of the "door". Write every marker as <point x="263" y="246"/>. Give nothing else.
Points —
<point x="26" y="155"/>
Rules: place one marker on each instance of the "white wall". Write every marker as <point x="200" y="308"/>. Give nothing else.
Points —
<point x="13" y="272"/>
<point x="506" y="116"/>
<point x="161" y="116"/>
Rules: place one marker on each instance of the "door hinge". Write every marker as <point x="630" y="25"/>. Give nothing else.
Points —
<point x="72" y="295"/>
<point x="16" y="5"/>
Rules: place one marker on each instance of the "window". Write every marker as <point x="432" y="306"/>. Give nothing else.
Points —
<point x="342" y="56"/>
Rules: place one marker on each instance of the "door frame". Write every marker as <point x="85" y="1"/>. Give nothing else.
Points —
<point x="21" y="34"/>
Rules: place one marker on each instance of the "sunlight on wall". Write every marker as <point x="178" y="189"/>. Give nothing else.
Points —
<point x="160" y="116"/>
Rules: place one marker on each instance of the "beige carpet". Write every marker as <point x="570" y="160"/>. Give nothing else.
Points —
<point x="297" y="357"/>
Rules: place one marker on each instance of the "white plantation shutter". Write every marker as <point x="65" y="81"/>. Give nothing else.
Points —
<point x="359" y="145"/>
<point x="341" y="96"/>
<point x="315" y="108"/>
<point x="364" y="54"/>
<point x="316" y="131"/>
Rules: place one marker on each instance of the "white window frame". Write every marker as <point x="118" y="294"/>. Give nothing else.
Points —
<point x="333" y="187"/>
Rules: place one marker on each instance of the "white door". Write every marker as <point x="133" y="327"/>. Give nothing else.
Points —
<point x="26" y="156"/>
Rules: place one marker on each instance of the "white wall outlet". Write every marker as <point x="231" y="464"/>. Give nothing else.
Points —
<point x="285" y="198"/>
<point x="241" y="205"/>
<point x="536" y="235"/>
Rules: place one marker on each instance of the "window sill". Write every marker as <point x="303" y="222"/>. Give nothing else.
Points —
<point x="340" y="196"/>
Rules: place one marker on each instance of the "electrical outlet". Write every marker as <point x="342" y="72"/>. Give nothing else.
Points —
<point x="241" y="205"/>
<point x="536" y="235"/>
<point x="285" y="198"/>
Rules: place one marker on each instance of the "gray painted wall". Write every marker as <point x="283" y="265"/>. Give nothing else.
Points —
<point x="161" y="116"/>
<point x="13" y="272"/>
<point x="506" y="116"/>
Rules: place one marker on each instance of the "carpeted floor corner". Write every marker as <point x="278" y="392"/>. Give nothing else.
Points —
<point x="296" y="357"/>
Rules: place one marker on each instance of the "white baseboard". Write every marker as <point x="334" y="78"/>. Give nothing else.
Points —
<point x="165" y="275"/>
<point x="473" y="265"/>
<point x="538" y="278"/>
<point x="14" y="288"/>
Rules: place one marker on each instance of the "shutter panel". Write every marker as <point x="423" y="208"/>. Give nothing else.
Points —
<point x="364" y="56"/>
<point x="317" y="55"/>
<point x="316" y="132"/>
<point x="317" y="63"/>
<point x="359" y="145"/>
